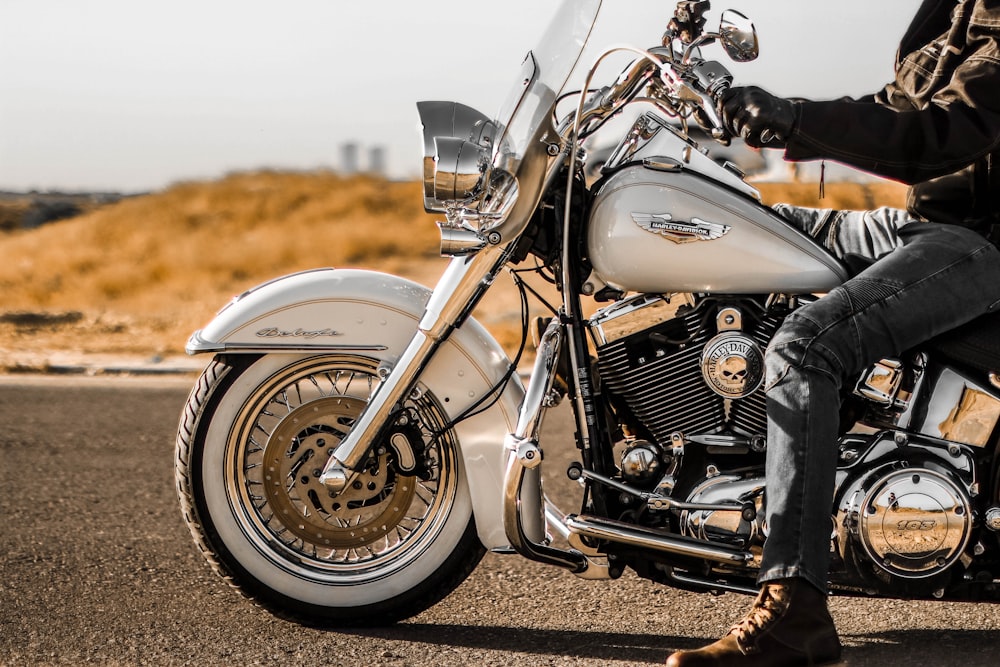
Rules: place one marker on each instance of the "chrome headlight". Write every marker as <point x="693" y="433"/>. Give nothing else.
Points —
<point x="460" y="167"/>
<point x="458" y="151"/>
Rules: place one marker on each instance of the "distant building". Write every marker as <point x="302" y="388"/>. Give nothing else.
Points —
<point x="376" y="160"/>
<point x="349" y="158"/>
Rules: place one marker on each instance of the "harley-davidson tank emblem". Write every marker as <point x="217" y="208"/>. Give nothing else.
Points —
<point x="680" y="231"/>
<point x="732" y="365"/>
<point x="275" y="332"/>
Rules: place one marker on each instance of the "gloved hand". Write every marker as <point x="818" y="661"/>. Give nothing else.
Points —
<point x="760" y="118"/>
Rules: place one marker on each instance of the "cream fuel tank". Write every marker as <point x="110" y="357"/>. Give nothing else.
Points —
<point x="668" y="218"/>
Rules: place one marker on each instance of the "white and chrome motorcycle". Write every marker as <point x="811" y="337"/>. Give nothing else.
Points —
<point x="359" y="442"/>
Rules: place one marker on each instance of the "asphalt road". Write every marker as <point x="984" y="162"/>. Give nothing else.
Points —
<point x="97" y="567"/>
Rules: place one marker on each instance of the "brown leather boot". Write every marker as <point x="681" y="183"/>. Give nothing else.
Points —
<point x="789" y="625"/>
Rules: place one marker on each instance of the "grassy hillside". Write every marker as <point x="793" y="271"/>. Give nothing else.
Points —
<point x="140" y="275"/>
<point x="146" y="272"/>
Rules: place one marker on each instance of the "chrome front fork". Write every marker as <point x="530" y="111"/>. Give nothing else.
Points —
<point x="459" y="289"/>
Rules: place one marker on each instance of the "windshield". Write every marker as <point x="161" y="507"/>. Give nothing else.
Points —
<point x="528" y="107"/>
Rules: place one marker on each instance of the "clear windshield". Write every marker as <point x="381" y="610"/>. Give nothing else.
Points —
<point x="545" y="70"/>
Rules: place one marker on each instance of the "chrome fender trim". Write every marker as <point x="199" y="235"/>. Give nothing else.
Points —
<point x="375" y="315"/>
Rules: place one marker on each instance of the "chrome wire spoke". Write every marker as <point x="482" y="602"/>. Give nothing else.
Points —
<point x="384" y="513"/>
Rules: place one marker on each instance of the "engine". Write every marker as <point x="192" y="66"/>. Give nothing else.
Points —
<point x="682" y="366"/>
<point x="690" y="370"/>
<point x="900" y="521"/>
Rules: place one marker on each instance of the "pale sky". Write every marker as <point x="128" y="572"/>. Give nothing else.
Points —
<point x="135" y="95"/>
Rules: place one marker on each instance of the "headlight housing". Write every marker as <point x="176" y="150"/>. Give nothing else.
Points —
<point x="458" y="154"/>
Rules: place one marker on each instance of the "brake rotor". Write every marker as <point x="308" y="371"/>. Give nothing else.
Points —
<point x="368" y="510"/>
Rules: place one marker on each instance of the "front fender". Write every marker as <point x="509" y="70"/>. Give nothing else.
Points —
<point x="376" y="314"/>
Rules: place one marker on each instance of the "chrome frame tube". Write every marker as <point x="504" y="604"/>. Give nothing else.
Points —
<point x="525" y="510"/>
<point x="555" y="519"/>
<point x="529" y="420"/>
<point x="524" y="501"/>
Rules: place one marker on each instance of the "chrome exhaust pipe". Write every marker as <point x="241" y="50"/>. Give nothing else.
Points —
<point x="648" y="538"/>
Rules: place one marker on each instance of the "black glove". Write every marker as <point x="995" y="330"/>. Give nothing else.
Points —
<point x="760" y="118"/>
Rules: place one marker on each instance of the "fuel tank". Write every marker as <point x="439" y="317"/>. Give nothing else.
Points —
<point x="671" y="220"/>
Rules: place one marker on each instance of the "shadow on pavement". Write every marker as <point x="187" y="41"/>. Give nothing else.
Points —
<point x="969" y="648"/>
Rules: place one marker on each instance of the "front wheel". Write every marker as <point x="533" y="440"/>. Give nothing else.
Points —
<point x="253" y="439"/>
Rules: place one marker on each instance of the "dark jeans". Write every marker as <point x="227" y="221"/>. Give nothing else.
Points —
<point x="911" y="281"/>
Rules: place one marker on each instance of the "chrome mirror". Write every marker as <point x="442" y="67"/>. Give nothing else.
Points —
<point x="738" y="36"/>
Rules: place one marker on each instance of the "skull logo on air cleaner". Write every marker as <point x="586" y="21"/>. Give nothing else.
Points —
<point x="733" y="365"/>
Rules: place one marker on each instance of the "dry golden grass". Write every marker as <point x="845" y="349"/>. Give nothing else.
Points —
<point x="146" y="272"/>
<point x="844" y="196"/>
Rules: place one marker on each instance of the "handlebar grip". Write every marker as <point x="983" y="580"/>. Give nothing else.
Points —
<point x="723" y="135"/>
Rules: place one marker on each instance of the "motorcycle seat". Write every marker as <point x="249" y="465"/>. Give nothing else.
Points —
<point x="975" y="344"/>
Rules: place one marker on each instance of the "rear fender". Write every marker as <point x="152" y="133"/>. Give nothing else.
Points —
<point x="375" y="315"/>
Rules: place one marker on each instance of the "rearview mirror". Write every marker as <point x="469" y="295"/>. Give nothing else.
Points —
<point x="738" y="36"/>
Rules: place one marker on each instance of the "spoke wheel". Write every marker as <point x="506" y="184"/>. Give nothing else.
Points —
<point x="389" y="545"/>
<point x="290" y="427"/>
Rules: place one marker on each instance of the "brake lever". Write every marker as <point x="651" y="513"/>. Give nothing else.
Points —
<point x="702" y="86"/>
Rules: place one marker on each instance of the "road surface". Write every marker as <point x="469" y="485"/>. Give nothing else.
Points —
<point x="97" y="567"/>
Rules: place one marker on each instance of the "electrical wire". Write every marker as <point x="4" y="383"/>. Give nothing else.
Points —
<point x="494" y="393"/>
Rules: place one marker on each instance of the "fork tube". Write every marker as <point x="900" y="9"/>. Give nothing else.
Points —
<point x="464" y="282"/>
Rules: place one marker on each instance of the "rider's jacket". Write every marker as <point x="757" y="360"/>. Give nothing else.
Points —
<point x="936" y="126"/>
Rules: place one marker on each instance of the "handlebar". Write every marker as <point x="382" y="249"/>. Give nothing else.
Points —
<point x="609" y="99"/>
<point x="698" y="87"/>
<point x="678" y="80"/>
<point x="679" y="88"/>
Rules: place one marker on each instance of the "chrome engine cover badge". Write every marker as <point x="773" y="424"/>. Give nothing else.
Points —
<point x="914" y="522"/>
<point x="733" y="365"/>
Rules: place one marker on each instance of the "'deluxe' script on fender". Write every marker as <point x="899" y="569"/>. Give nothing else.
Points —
<point x="274" y="332"/>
